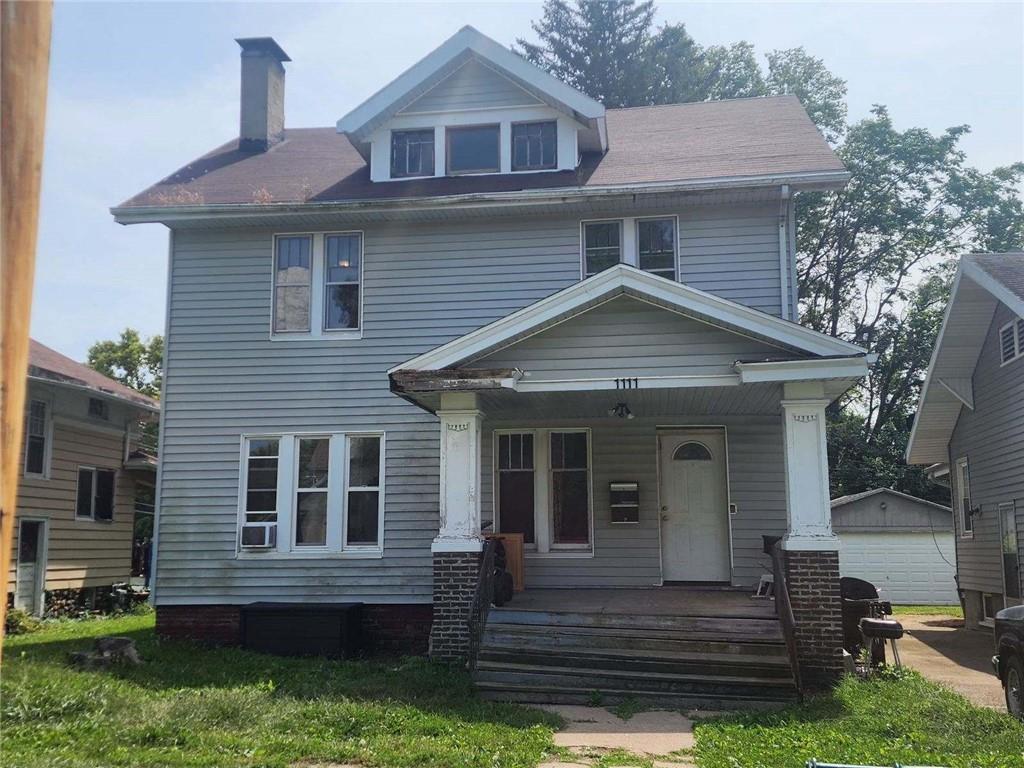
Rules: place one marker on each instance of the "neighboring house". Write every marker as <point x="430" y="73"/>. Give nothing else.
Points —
<point x="970" y="426"/>
<point x="481" y="300"/>
<point x="900" y="543"/>
<point x="80" y="466"/>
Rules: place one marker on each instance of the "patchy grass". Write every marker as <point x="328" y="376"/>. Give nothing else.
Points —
<point x="954" y="611"/>
<point x="901" y="719"/>
<point x="191" y="706"/>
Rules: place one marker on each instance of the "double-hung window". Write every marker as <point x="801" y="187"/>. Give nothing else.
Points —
<point x="602" y="246"/>
<point x="412" y="153"/>
<point x="543" y="488"/>
<point x="650" y="244"/>
<point x="656" y="246"/>
<point x="962" y="479"/>
<point x="36" y="438"/>
<point x="318" y="285"/>
<point x="95" y="495"/>
<point x="534" y="146"/>
<point x="1011" y="341"/>
<point x="313" y="494"/>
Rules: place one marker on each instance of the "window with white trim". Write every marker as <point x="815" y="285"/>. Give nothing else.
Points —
<point x="313" y="493"/>
<point x="37" y="431"/>
<point x="656" y="246"/>
<point x="534" y="146"/>
<point x="962" y="480"/>
<point x="1011" y="341"/>
<point x="602" y="246"/>
<point x="94" y="497"/>
<point x="412" y="153"/>
<point x="543" y="488"/>
<point x="318" y="285"/>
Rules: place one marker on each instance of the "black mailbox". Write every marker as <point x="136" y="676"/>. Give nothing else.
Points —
<point x="625" y="502"/>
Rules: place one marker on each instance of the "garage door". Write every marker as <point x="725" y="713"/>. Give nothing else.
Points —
<point x="906" y="567"/>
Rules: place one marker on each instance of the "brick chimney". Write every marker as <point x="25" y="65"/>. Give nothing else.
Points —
<point x="261" y="123"/>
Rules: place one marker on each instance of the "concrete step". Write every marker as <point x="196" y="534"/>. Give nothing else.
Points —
<point x="706" y="627"/>
<point x="609" y="697"/>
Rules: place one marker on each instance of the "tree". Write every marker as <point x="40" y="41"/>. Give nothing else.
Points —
<point x="130" y="360"/>
<point x="822" y="93"/>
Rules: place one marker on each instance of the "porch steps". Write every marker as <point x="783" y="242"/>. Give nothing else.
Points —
<point x="570" y="657"/>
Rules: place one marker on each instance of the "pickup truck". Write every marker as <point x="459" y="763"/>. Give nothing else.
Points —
<point x="1008" y="662"/>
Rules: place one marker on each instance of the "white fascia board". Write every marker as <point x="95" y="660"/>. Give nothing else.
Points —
<point x="993" y="286"/>
<point x="468" y="39"/>
<point x="803" y="370"/>
<point x="637" y="382"/>
<point x="615" y="281"/>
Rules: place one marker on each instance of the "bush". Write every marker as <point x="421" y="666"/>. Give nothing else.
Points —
<point x="20" y="622"/>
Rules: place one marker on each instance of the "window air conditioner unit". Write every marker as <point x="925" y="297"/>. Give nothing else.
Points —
<point x="259" y="535"/>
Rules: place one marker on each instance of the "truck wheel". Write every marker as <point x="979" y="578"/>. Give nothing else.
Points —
<point x="1013" y="686"/>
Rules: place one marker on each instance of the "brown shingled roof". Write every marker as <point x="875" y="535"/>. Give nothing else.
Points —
<point x="1007" y="268"/>
<point x="767" y="136"/>
<point x="46" y="363"/>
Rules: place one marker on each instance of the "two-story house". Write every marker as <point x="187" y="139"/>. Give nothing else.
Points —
<point x="483" y="301"/>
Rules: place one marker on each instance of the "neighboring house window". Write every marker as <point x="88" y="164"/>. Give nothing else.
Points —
<point x="474" y="149"/>
<point x="412" y="153"/>
<point x="342" y="260"/>
<point x="602" y="246"/>
<point x="656" y="246"/>
<point x="570" y="489"/>
<point x="95" y="497"/>
<point x="313" y="493"/>
<point x="534" y="146"/>
<point x="259" y="492"/>
<point x="542" y="489"/>
<point x="516" y="484"/>
<point x="1011" y="341"/>
<point x="1008" y="541"/>
<point x="99" y="409"/>
<point x="364" y="509"/>
<point x="36" y="434"/>
<point x="292" y="282"/>
<point x="963" y="499"/>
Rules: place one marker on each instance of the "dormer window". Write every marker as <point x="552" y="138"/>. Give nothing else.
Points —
<point x="412" y="153"/>
<point x="534" y="146"/>
<point x="473" y="149"/>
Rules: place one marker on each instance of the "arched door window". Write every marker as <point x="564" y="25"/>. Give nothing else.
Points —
<point x="692" y="452"/>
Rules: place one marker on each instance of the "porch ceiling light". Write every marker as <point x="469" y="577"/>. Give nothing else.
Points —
<point x="621" y="410"/>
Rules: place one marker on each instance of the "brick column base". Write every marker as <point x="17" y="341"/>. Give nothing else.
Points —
<point x="813" y="580"/>
<point x="455" y="578"/>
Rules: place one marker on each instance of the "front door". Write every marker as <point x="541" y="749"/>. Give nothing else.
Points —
<point x="694" y="505"/>
<point x="31" y="567"/>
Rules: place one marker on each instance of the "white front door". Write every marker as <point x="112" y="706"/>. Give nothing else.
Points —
<point x="31" y="567"/>
<point x="694" y="505"/>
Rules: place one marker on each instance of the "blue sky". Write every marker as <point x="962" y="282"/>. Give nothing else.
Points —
<point x="139" y="89"/>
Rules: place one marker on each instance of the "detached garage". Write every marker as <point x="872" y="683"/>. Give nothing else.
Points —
<point x="902" y="544"/>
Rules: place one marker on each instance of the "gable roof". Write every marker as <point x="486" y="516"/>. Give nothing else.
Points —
<point x="852" y="497"/>
<point x="49" y="365"/>
<point x="453" y="53"/>
<point x="982" y="281"/>
<point x="626" y="280"/>
<point x="681" y="146"/>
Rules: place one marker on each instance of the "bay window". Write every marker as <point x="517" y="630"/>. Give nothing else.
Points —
<point x="313" y="494"/>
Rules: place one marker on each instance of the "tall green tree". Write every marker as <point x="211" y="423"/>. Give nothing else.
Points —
<point x="134" y="362"/>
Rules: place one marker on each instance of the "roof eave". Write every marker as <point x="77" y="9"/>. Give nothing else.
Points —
<point x="64" y="382"/>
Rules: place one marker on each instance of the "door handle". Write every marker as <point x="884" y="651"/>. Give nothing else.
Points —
<point x="664" y="517"/>
<point x="664" y="508"/>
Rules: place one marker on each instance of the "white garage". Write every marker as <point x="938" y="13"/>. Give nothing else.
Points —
<point x="902" y="544"/>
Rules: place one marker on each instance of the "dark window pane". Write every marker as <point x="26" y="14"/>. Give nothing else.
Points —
<point x="35" y="455"/>
<point x="362" y="517"/>
<point x="568" y="450"/>
<point x="515" y="452"/>
<point x="254" y="537"/>
<point x="99" y="409"/>
<point x="412" y="153"/>
<point x="261" y="501"/>
<point x="473" y="149"/>
<point x="342" y="254"/>
<point x="364" y="462"/>
<point x="515" y="504"/>
<point x="602" y="245"/>
<point x="527" y="451"/>
<point x="263" y="447"/>
<point x="503" y="451"/>
<point x="343" y="306"/>
<point x="534" y="146"/>
<point x="37" y="418"/>
<point x="28" y="542"/>
<point x="657" y="245"/>
<point x="311" y="519"/>
<point x="692" y="452"/>
<point x="262" y="475"/>
<point x="292" y="259"/>
<point x="569" y="505"/>
<point x="83" y="502"/>
<point x="104" y="494"/>
<point x="313" y="460"/>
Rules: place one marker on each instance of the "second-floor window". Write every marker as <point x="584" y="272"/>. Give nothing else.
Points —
<point x="602" y="246"/>
<point x="412" y="153"/>
<point x="473" y="149"/>
<point x="342" y="254"/>
<point x="95" y="498"/>
<point x="292" y="283"/>
<point x="656" y="246"/>
<point x="534" y="146"/>
<point x="962" y="479"/>
<point x="317" y="284"/>
<point x="36" y="429"/>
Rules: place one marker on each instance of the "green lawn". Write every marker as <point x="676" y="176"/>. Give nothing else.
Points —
<point x="190" y="706"/>
<point x="953" y="611"/>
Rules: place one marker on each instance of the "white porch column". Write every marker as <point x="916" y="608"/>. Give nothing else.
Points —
<point x="806" y="457"/>
<point x="460" y="474"/>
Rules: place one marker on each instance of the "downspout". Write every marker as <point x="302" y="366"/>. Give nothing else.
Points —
<point x="794" y="282"/>
<point x="784" y="278"/>
<point x="158" y="493"/>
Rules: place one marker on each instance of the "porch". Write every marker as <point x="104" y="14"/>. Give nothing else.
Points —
<point x="669" y="600"/>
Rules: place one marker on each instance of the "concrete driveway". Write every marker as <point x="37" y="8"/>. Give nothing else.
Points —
<point x="941" y="649"/>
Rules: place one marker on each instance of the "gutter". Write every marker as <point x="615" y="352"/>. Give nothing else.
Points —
<point x="540" y="197"/>
<point x="93" y="392"/>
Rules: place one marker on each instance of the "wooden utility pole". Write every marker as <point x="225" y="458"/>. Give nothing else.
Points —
<point x="24" y="67"/>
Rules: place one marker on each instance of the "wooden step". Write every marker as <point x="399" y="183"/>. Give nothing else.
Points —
<point x="691" y="626"/>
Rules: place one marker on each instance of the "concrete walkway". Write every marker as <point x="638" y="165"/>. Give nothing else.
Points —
<point x="942" y="650"/>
